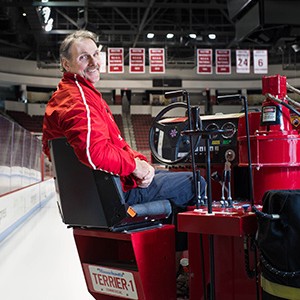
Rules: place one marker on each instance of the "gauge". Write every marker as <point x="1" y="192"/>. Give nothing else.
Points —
<point x="212" y="127"/>
<point x="229" y="130"/>
<point x="229" y="155"/>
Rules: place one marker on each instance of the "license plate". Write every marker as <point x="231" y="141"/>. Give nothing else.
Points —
<point x="114" y="282"/>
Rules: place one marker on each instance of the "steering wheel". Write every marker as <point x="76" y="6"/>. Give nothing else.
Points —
<point x="167" y="144"/>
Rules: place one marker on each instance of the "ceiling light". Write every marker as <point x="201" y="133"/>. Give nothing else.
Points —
<point x="150" y="35"/>
<point x="46" y="11"/>
<point x="212" y="36"/>
<point x="49" y="25"/>
<point x="192" y="35"/>
<point x="296" y="47"/>
<point x="170" y="35"/>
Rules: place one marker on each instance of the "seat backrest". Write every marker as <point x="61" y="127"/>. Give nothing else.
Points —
<point x="86" y="197"/>
<point x="93" y="198"/>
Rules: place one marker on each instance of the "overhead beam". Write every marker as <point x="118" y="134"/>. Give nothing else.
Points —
<point x="125" y="18"/>
<point x="67" y="17"/>
<point x="143" y="22"/>
<point x="80" y="3"/>
<point x="134" y="32"/>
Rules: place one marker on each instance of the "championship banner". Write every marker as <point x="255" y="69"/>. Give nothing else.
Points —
<point x="204" y="61"/>
<point x="243" y="61"/>
<point x="136" y="60"/>
<point x="102" y="62"/>
<point x="115" y="60"/>
<point x="157" y="60"/>
<point x="260" y="61"/>
<point x="223" y="61"/>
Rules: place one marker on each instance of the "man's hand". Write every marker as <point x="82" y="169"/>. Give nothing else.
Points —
<point x="144" y="173"/>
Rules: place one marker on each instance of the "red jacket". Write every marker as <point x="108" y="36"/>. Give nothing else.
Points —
<point x="78" y="112"/>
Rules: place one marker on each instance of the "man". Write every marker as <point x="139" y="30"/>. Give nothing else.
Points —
<point x="78" y="112"/>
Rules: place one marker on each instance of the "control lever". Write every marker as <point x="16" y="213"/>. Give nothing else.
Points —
<point x="223" y="190"/>
<point x="199" y="198"/>
<point x="216" y="177"/>
<point x="199" y="189"/>
<point x="227" y="180"/>
<point x="226" y="184"/>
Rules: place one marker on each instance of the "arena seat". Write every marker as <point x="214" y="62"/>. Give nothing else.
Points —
<point x="141" y="126"/>
<point x="119" y="121"/>
<point x="32" y="123"/>
<point x="94" y="199"/>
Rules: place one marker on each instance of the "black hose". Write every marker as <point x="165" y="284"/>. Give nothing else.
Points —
<point x="272" y="269"/>
<point x="250" y="273"/>
<point x="263" y="215"/>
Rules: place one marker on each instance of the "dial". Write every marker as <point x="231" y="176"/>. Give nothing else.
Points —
<point x="229" y="130"/>
<point x="212" y="127"/>
<point x="229" y="155"/>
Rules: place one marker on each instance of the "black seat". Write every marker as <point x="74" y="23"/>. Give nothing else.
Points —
<point x="93" y="198"/>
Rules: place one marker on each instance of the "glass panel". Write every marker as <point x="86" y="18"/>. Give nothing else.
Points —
<point x="20" y="156"/>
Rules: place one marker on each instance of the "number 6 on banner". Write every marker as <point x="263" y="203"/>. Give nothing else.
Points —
<point x="260" y="61"/>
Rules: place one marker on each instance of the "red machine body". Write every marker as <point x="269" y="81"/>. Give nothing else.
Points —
<point x="275" y="144"/>
<point x="217" y="242"/>
<point x="275" y="160"/>
<point x="229" y="228"/>
<point x="138" y="265"/>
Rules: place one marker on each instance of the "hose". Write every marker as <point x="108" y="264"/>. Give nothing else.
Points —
<point x="250" y="273"/>
<point x="292" y="89"/>
<point x="283" y="103"/>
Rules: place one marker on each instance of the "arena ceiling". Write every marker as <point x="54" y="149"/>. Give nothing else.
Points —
<point x="246" y="24"/>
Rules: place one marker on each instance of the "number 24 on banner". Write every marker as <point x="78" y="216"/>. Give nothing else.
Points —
<point x="242" y="61"/>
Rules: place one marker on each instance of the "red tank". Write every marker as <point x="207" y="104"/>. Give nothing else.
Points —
<point x="275" y="144"/>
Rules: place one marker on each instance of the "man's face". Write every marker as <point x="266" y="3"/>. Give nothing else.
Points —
<point x="85" y="60"/>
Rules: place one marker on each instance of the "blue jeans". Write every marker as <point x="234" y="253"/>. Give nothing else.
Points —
<point x="177" y="187"/>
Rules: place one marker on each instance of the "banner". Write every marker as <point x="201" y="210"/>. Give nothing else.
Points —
<point x="157" y="60"/>
<point x="136" y="60"/>
<point x="102" y="62"/>
<point x="223" y="61"/>
<point x="115" y="60"/>
<point x="204" y="61"/>
<point x="243" y="61"/>
<point x="260" y="61"/>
